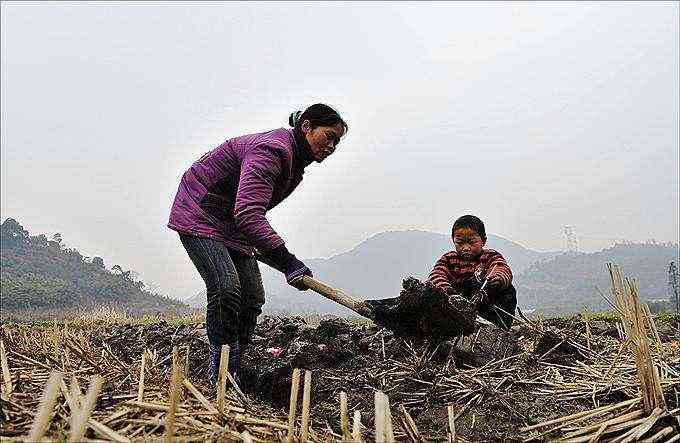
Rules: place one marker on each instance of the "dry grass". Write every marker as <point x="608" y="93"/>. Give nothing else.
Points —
<point x="583" y="385"/>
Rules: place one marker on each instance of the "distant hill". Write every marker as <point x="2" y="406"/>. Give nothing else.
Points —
<point x="40" y="274"/>
<point x="375" y="269"/>
<point x="568" y="281"/>
<point x="197" y="300"/>
<point x="549" y="282"/>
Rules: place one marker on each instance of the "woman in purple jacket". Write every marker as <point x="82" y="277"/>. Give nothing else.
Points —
<point x="219" y="212"/>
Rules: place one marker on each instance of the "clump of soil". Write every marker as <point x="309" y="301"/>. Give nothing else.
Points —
<point x="599" y="327"/>
<point x="550" y="343"/>
<point x="282" y="344"/>
<point x="422" y="311"/>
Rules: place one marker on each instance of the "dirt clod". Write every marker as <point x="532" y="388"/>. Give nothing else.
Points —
<point x="422" y="311"/>
<point x="553" y="344"/>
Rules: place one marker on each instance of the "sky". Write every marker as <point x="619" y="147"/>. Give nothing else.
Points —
<point x="532" y="116"/>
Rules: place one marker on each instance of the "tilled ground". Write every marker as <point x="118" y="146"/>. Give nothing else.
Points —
<point x="498" y="382"/>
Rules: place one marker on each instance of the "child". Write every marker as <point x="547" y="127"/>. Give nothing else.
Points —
<point x="464" y="271"/>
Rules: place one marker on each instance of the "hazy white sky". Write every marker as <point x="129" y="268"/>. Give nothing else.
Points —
<point x="531" y="115"/>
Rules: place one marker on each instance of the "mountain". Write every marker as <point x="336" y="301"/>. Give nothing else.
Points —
<point x="549" y="282"/>
<point x="41" y="275"/>
<point x="569" y="281"/>
<point x="375" y="269"/>
<point x="197" y="300"/>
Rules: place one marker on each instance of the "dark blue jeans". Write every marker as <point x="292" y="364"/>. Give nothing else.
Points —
<point x="233" y="286"/>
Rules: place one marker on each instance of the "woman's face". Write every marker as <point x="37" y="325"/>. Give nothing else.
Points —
<point x="323" y="139"/>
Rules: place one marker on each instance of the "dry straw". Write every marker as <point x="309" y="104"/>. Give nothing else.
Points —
<point x="637" y="322"/>
<point x="638" y="331"/>
<point x="292" y="409"/>
<point x="636" y="368"/>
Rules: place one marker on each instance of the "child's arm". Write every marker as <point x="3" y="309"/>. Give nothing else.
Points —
<point x="498" y="272"/>
<point x="440" y="276"/>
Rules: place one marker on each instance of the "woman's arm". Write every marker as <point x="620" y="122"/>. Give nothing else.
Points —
<point x="259" y="172"/>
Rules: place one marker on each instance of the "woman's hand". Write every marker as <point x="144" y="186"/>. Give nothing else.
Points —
<point x="295" y="273"/>
<point x="283" y="261"/>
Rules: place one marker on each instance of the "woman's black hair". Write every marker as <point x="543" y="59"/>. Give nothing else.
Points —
<point x="470" y="222"/>
<point x="318" y="114"/>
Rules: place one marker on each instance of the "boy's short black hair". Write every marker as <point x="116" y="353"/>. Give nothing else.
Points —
<point x="470" y="222"/>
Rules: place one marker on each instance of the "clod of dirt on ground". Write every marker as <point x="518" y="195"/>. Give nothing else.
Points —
<point x="553" y="345"/>
<point x="422" y="311"/>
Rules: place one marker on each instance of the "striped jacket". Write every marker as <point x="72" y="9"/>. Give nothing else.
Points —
<point x="451" y="270"/>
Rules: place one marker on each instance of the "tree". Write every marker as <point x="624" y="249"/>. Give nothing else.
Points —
<point x="12" y="233"/>
<point x="40" y="240"/>
<point x="38" y="273"/>
<point x="57" y="239"/>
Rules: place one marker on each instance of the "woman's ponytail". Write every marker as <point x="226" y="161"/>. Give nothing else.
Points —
<point x="294" y="118"/>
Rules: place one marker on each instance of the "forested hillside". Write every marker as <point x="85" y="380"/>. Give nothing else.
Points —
<point x="40" y="273"/>
<point x="567" y="282"/>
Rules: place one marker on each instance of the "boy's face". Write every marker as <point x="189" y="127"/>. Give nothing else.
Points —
<point x="468" y="243"/>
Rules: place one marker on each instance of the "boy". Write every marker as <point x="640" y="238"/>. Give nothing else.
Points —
<point x="464" y="271"/>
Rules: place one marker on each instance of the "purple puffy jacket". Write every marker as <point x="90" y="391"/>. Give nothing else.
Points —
<point x="227" y="192"/>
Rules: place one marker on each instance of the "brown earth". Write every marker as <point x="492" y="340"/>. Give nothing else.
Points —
<point x="498" y="382"/>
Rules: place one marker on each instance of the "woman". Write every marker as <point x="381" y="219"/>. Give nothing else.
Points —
<point x="219" y="212"/>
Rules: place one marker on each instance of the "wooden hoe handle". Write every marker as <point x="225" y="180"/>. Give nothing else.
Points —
<point x="358" y="306"/>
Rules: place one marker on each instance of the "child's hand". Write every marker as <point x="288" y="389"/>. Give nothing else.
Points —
<point x="449" y="291"/>
<point x="471" y="284"/>
<point x="478" y="297"/>
<point x="494" y="282"/>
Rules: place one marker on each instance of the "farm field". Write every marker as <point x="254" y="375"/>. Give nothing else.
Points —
<point x="492" y="385"/>
<point x="339" y="222"/>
